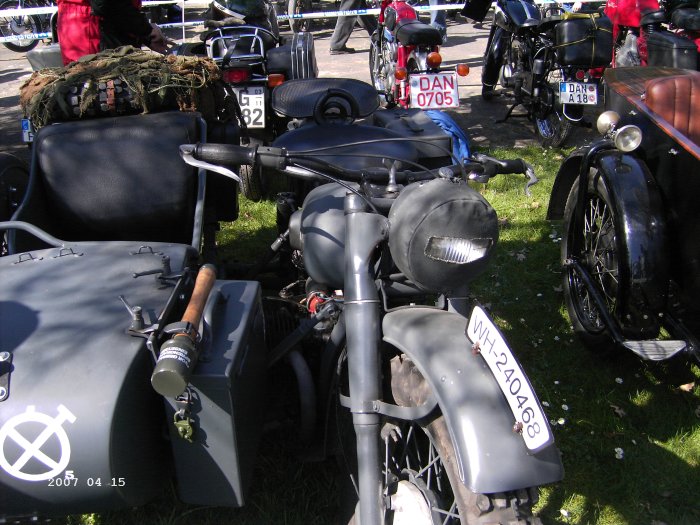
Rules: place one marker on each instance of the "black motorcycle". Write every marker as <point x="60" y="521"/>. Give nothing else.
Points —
<point x="253" y="59"/>
<point x="546" y="63"/>
<point x="630" y="245"/>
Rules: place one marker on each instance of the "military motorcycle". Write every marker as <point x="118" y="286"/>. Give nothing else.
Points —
<point x="244" y="41"/>
<point x="405" y="61"/>
<point x="548" y="65"/>
<point x="158" y="367"/>
<point x="630" y="241"/>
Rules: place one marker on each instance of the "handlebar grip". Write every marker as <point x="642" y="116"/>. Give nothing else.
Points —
<point x="505" y="167"/>
<point x="224" y="154"/>
<point x="206" y="277"/>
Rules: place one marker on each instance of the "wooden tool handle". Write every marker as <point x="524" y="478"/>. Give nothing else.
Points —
<point x="202" y="287"/>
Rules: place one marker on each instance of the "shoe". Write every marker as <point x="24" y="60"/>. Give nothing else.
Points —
<point x="345" y="50"/>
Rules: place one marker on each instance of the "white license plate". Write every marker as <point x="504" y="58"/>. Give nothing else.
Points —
<point x="27" y="130"/>
<point x="530" y="419"/>
<point x="252" y="102"/>
<point x="578" y="93"/>
<point x="434" y="90"/>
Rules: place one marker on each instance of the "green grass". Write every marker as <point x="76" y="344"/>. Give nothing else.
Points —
<point x="596" y="405"/>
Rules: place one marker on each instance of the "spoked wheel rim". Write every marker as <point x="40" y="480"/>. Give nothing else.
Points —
<point x="417" y="483"/>
<point x="19" y="25"/>
<point x="597" y="252"/>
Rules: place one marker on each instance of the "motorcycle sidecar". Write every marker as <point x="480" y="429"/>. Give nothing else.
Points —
<point x="89" y="289"/>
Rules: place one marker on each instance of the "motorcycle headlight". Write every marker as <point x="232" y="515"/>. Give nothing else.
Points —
<point x="628" y="138"/>
<point x="442" y="235"/>
<point x="607" y="121"/>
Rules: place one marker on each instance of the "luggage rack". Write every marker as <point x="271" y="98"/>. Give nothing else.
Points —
<point x="249" y="43"/>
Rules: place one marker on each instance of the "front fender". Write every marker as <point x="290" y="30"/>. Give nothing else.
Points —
<point x="491" y="457"/>
<point x="493" y="56"/>
<point x="641" y="228"/>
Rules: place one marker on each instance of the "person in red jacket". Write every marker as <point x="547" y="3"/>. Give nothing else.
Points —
<point x="628" y="13"/>
<point x="88" y="26"/>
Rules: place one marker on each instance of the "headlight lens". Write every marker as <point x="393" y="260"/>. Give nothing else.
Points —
<point x="457" y="251"/>
<point x="628" y="138"/>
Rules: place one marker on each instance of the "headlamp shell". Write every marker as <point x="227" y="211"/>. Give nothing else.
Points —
<point x="442" y="234"/>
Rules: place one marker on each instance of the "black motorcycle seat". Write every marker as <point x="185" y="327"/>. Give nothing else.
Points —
<point x="115" y="178"/>
<point x="298" y="98"/>
<point x="654" y="17"/>
<point x="417" y="33"/>
<point x="686" y="18"/>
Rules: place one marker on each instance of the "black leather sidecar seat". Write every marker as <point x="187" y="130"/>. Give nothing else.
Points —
<point x="676" y="99"/>
<point x="117" y="178"/>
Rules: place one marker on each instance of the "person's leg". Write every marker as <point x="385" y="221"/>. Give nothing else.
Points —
<point x="368" y="22"/>
<point x="438" y="19"/>
<point x="343" y="27"/>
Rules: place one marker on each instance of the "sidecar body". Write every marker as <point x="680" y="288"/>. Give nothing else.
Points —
<point x="655" y="187"/>
<point x="81" y="321"/>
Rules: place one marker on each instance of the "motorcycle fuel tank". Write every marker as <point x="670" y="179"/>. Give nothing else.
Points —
<point x="513" y="14"/>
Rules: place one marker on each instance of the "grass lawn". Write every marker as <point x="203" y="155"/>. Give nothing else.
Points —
<point x="629" y="431"/>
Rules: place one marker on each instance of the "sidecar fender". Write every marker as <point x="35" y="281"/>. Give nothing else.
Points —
<point x="641" y="228"/>
<point x="491" y="457"/>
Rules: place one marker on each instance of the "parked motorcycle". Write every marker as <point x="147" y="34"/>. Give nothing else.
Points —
<point x="630" y="247"/>
<point x="405" y="61"/>
<point x="254" y="59"/>
<point x="447" y="426"/>
<point x="547" y="64"/>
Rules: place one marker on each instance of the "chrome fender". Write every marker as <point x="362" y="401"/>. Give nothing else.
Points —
<point x="491" y="457"/>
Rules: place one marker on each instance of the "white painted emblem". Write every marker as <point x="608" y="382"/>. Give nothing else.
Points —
<point x="12" y="431"/>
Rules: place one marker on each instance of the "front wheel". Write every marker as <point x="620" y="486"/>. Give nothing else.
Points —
<point x="19" y="26"/>
<point x="594" y="244"/>
<point x="299" y="7"/>
<point x="421" y="472"/>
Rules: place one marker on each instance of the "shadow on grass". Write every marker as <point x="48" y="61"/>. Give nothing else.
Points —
<point x="629" y="437"/>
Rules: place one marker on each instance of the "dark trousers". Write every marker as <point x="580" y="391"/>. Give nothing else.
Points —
<point x="345" y="24"/>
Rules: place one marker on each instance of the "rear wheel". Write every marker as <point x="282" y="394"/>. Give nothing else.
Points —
<point x="18" y="26"/>
<point x="378" y="70"/>
<point x="421" y="473"/>
<point x="553" y="128"/>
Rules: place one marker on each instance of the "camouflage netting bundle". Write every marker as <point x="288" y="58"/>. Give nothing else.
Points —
<point x="122" y="81"/>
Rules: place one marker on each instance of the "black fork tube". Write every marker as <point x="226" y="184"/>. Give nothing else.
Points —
<point x="363" y="233"/>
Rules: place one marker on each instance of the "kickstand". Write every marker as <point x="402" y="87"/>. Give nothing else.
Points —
<point x="508" y="113"/>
